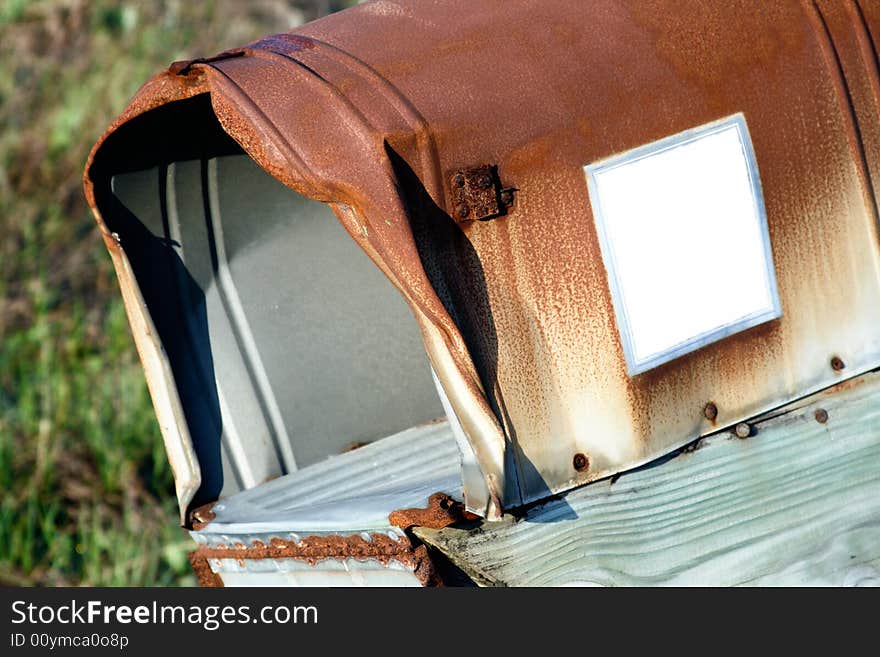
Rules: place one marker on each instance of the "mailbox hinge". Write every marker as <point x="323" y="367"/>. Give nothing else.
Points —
<point x="478" y="195"/>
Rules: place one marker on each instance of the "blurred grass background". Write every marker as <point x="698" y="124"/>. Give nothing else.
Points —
<point x="87" y="494"/>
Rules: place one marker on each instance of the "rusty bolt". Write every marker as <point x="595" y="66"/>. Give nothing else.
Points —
<point x="458" y="180"/>
<point x="580" y="462"/>
<point x="462" y="211"/>
<point x="710" y="411"/>
<point x="507" y="197"/>
<point x="821" y="415"/>
<point x="837" y="363"/>
<point x="743" y="430"/>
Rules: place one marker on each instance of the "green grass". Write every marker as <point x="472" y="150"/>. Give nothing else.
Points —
<point x="87" y="495"/>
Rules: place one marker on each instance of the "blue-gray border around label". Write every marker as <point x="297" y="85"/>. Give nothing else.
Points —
<point x="633" y="365"/>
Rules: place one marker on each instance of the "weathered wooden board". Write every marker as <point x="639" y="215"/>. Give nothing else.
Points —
<point x="796" y="503"/>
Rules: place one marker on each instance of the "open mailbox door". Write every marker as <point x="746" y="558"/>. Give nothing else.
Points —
<point x="600" y="236"/>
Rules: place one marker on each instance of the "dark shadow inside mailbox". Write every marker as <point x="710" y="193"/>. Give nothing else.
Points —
<point x="286" y="343"/>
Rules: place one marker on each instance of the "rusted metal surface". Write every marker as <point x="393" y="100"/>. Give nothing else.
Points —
<point x="160" y="381"/>
<point x="581" y="462"/>
<point x="516" y="315"/>
<point x="477" y="194"/>
<point x="349" y="493"/>
<point x="442" y="511"/>
<point x="315" y="549"/>
<point x="200" y="517"/>
<point x="334" y="516"/>
<point x="204" y="575"/>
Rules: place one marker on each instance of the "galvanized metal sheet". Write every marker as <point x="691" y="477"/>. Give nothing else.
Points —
<point x="350" y="493"/>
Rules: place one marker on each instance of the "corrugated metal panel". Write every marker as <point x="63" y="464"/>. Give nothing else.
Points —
<point x="286" y="342"/>
<point x="352" y="492"/>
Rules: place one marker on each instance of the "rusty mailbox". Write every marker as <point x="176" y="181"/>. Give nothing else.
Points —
<point x="613" y="227"/>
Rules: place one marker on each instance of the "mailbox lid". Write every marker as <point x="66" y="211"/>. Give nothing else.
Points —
<point x="542" y="89"/>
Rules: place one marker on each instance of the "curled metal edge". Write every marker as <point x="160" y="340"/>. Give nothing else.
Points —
<point x="160" y="381"/>
<point x="267" y="145"/>
<point x="261" y="143"/>
<point x="477" y="497"/>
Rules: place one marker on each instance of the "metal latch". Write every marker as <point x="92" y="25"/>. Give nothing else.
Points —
<point x="477" y="194"/>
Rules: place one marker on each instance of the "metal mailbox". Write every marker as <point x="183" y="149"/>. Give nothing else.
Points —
<point x="461" y="147"/>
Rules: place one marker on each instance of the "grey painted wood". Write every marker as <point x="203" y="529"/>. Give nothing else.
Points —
<point x="797" y="503"/>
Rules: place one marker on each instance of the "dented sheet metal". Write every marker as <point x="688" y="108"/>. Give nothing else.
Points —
<point x="374" y="109"/>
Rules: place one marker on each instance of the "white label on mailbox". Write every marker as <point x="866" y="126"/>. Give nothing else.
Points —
<point x="683" y="233"/>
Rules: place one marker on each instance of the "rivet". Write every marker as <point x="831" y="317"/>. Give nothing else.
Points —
<point x="743" y="430"/>
<point x="580" y="462"/>
<point x="458" y="180"/>
<point x="485" y="181"/>
<point x="837" y="363"/>
<point x="507" y="197"/>
<point x="821" y="415"/>
<point x="462" y="211"/>
<point x="710" y="411"/>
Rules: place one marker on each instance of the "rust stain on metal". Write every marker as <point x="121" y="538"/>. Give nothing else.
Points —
<point x="314" y="549"/>
<point x="204" y="575"/>
<point x="183" y="67"/>
<point x="441" y="512"/>
<point x="354" y="445"/>
<point x="710" y="411"/>
<point x="477" y="194"/>
<point x="847" y="384"/>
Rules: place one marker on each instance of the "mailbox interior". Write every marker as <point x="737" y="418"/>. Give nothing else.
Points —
<point x="287" y="344"/>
